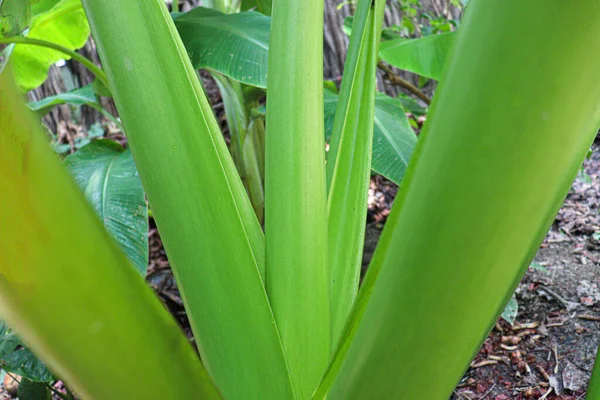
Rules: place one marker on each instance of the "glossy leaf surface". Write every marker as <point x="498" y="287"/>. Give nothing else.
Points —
<point x="107" y="175"/>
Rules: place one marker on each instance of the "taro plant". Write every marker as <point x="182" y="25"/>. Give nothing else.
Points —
<point x="278" y="314"/>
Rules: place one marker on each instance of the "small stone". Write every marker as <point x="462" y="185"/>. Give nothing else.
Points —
<point x="11" y="385"/>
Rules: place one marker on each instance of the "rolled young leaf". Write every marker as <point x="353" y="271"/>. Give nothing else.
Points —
<point x="512" y="121"/>
<point x="69" y="291"/>
<point x="213" y="240"/>
<point x="349" y="162"/>
<point x="297" y="277"/>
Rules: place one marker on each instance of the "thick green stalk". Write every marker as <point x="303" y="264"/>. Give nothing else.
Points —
<point x="297" y="276"/>
<point x="349" y="162"/>
<point x="512" y="121"/>
<point x="69" y="291"/>
<point x="213" y="239"/>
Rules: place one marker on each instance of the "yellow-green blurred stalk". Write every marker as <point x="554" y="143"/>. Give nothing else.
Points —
<point x="69" y="291"/>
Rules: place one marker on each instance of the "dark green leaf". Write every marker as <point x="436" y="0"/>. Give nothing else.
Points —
<point x="411" y="105"/>
<point x="263" y="6"/>
<point x="109" y="178"/>
<point x="15" y="16"/>
<point x="100" y="89"/>
<point x="235" y="45"/>
<point x="29" y="390"/>
<point x="16" y="359"/>
<point x="510" y="311"/>
<point x="77" y="97"/>
<point x="393" y="138"/>
<point x="425" y="56"/>
<point x="42" y="6"/>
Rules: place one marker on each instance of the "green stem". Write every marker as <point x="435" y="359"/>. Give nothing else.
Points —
<point x="108" y="115"/>
<point x="175" y="6"/>
<point x="98" y="73"/>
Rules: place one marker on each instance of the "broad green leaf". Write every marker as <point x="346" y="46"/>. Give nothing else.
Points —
<point x="393" y="138"/>
<point x="78" y="97"/>
<point x="503" y="142"/>
<point x="510" y="311"/>
<point x="213" y="239"/>
<point x="297" y="273"/>
<point x="15" y="358"/>
<point x="263" y="6"/>
<point x="67" y="289"/>
<point x="42" y="6"/>
<point x="29" y="390"/>
<point x="107" y="175"/>
<point x="424" y="56"/>
<point x="66" y="25"/>
<point x="15" y="16"/>
<point x="349" y="162"/>
<point x="234" y="45"/>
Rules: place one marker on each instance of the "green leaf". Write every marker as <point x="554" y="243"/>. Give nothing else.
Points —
<point x="425" y="56"/>
<point x="295" y="191"/>
<point x="263" y="6"/>
<point x="349" y="162"/>
<point x="393" y="138"/>
<point x="78" y="97"/>
<point x="235" y="45"/>
<point x="15" y="358"/>
<point x="66" y="25"/>
<point x="107" y="175"/>
<point x="213" y="239"/>
<point x="538" y="267"/>
<point x="494" y="163"/>
<point x="15" y="16"/>
<point x="510" y="311"/>
<point x="67" y="289"/>
<point x="29" y="390"/>
<point x="593" y="391"/>
<point x="42" y="6"/>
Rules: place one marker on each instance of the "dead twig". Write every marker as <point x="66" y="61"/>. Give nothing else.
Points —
<point x="569" y="305"/>
<point x="391" y="77"/>
<point x="589" y="317"/>
<point x="484" y="363"/>
<point x="529" y="325"/>
<point x="546" y="395"/>
<point x="543" y="372"/>
<point x="483" y="396"/>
